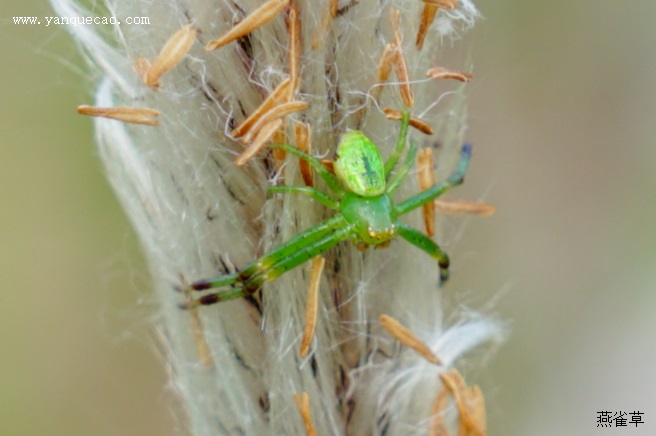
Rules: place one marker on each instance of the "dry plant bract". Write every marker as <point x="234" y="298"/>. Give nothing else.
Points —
<point x="175" y="49"/>
<point x="312" y="305"/>
<point x="445" y="73"/>
<point x="407" y="338"/>
<point x="132" y="115"/>
<point x="393" y="114"/>
<point x="255" y="20"/>
<point x="426" y="179"/>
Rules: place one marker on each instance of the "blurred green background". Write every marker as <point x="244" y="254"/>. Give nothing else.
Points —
<point x="563" y="118"/>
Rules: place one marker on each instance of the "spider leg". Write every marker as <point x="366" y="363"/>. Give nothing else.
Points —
<point x="267" y="271"/>
<point x="272" y="271"/>
<point x="299" y="241"/>
<point x="401" y="174"/>
<point x="400" y="144"/>
<point x="296" y="244"/>
<point x="422" y="241"/>
<point x="330" y="179"/>
<point x="310" y="192"/>
<point x="292" y="253"/>
<point x="214" y="297"/>
<point x="440" y="188"/>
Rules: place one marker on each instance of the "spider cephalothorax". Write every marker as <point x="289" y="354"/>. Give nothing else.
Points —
<point x="363" y="185"/>
<point x="366" y="205"/>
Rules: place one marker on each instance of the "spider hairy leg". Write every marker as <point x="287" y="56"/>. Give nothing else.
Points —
<point x="294" y="252"/>
<point x="294" y="245"/>
<point x="217" y="282"/>
<point x="272" y="272"/>
<point x="398" y="178"/>
<point x="400" y="144"/>
<point x="423" y="242"/>
<point x="215" y="297"/>
<point x="330" y="180"/>
<point x="305" y="190"/>
<point x="432" y="193"/>
<point x="265" y="272"/>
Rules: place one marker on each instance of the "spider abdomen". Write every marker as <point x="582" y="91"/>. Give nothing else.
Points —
<point x="359" y="165"/>
<point x="372" y="217"/>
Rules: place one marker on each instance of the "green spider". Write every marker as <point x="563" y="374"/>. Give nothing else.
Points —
<point x="366" y="214"/>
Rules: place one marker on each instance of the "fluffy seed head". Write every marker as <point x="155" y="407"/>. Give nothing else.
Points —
<point x="236" y="365"/>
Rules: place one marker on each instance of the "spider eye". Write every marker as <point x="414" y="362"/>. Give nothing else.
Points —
<point x="382" y="234"/>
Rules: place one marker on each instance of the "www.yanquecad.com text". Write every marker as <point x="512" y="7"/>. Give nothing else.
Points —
<point x="80" y="21"/>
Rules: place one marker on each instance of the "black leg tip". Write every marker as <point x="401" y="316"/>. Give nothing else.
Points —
<point x="200" y="285"/>
<point x="444" y="277"/>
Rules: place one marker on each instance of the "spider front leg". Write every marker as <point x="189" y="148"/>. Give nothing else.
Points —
<point x="440" y="188"/>
<point x="395" y="182"/>
<point x="292" y="253"/>
<point x="423" y="242"/>
<point x="306" y="190"/>
<point x="330" y="180"/>
<point x="400" y="145"/>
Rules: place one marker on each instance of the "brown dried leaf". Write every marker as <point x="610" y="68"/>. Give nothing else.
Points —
<point x="455" y="383"/>
<point x="426" y="179"/>
<point x="404" y="80"/>
<point x="393" y="114"/>
<point x="407" y="338"/>
<point x="445" y="73"/>
<point x="312" y="305"/>
<point x="477" y="406"/>
<point x="427" y="17"/>
<point x="294" y="48"/>
<point x="254" y="20"/>
<point x="384" y="68"/>
<point x="329" y="165"/>
<point x="303" y="404"/>
<point x="444" y="4"/>
<point x="459" y="207"/>
<point x="302" y="139"/>
<point x="141" y="66"/>
<point x="261" y="140"/>
<point x="133" y="115"/>
<point x="281" y="94"/>
<point x="437" y="423"/>
<point x="280" y="111"/>
<point x="175" y="49"/>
